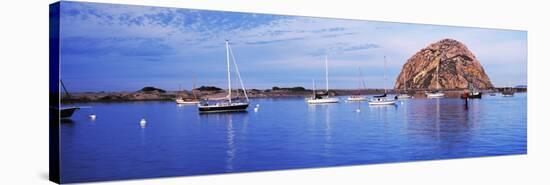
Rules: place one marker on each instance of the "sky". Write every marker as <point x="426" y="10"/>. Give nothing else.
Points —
<point x="109" y="47"/>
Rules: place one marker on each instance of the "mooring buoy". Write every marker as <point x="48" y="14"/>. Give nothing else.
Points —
<point x="142" y="122"/>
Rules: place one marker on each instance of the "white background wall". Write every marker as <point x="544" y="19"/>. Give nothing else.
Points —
<point x="24" y="88"/>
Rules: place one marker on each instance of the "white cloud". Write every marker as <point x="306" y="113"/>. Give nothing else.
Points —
<point x="292" y="43"/>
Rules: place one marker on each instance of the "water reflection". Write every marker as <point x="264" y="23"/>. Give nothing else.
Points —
<point x="444" y="121"/>
<point x="231" y="150"/>
<point x="230" y="120"/>
<point x="328" y="133"/>
<point x="278" y="136"/>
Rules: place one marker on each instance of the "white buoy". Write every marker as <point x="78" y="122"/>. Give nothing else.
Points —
<point x="92" y="116"/>
<point x="257" y="105"/>
<point x="256" y="109"/>
<point x="142" y="122"/>
<point x="357" y="110"/>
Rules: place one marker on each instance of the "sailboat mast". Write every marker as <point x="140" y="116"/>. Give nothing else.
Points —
<point x="404" y="83"/>
<point x="238" y="74"/>
<point x="313" y="87"/>
<point x="193" y="88"/>
<point x="385" y="75"/>
<point x="359" y="80"/>
<point x="362" y="80"/>
<point x="326" y="72"/>
<point x="228" y="70"/>
<point x="64" y="88"/>
<point x="437" y="76"/>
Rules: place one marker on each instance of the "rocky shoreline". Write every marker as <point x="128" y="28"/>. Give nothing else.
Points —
<point x="154" y="94"/>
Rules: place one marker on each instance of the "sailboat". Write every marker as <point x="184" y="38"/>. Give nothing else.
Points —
<point x="66" y="111"/>
<point x="194" y="100"/>
<point x="227" y="104"/>
<point x="322" y="98"/>
<point x="437" y="93"/>
<point x="473" y="93"/>
<point x="508" y="92"/>
<point x="358" y="96"/>
<point x="405" y="95"/>
<point x="382" y="99"/>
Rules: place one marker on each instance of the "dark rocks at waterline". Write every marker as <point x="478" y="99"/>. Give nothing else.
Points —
<point x="252" y="93"/>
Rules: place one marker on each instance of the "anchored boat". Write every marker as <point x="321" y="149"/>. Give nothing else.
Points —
<point x="405" y="95"/>
<point x="66" y="112"/>
<point x="437" y="93"/>
<point x="509" y="92"/>
<point x="227" y="104"/>
<point x="194" y="100"/>
<point x="322" y="97"/>
<point x="358" y="96"/>
<point x="382" y="99"/>
<point x="472" y="93"/>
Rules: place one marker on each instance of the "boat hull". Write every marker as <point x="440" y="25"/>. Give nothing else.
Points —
<point x="321" y="101"/>
<point x="67" y="112"/>
<point x="507" y="94"/>
<point x="471" y="95"/>
<point x="382" y="102"/>
<point x="223" y="108"/>
<point x="187" y="102"/>
<point x="361" y="98"/>
<point x="403" y="96"/>
<point x="435" y="95"/>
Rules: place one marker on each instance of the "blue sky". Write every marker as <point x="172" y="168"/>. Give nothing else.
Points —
<point x="107" y="47"/>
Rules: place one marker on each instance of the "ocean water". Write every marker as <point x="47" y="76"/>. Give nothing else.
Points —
<point x="285" y="133"/>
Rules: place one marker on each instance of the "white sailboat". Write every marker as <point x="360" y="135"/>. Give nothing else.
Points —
<point x="189" y="101"/>
<point x="382" y="99"/>
<point x="405" y="95"/>
<point x="227" y="104"/>
<point x="437" y="93"/>
<point x="324" y="98"/>
<point x="508" y="92"/>
<point x="359" y="97"/>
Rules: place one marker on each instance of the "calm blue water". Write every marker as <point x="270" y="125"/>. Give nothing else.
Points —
<point x="283" y="134"/>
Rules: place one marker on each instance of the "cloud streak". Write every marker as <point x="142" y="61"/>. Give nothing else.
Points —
<point x="182" y="42"/>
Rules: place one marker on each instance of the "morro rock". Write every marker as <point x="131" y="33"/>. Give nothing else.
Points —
<point x="458" y="68"/>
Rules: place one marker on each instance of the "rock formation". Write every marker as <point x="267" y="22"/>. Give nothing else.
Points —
<point x="458" y="68"/>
